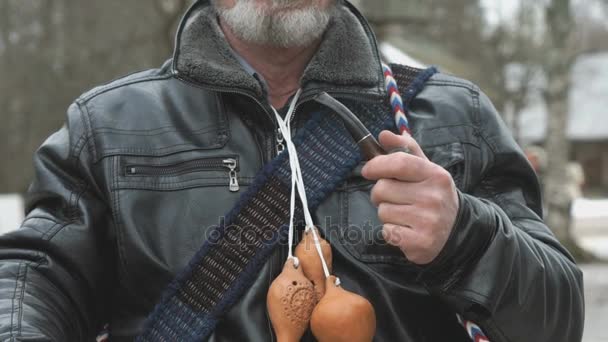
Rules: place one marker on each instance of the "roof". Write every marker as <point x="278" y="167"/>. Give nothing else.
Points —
<point x="588" y="120"/>
<point x="432" y="53"/>
<point x="393" y="55"/>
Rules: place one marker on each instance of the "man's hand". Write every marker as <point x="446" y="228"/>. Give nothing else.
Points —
<point x="417" y="200"/>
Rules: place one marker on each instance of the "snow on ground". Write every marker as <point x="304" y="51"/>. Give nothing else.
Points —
<point x="11" y="212"/>
<point x="590" y="225"/>
<point x="585" y="208"/>
<point x="596" y="302"/>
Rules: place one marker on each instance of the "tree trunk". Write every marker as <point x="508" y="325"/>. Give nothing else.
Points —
<point x="557" y="199"/>
<point x="557" y="68"/>
<point x="52" y="51"/>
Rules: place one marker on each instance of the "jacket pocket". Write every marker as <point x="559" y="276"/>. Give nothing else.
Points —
<point x="361" y="229"/>
<point x="198" y="171"/>
<point x="451" y="157"/>
<point x="167" y="207"/>
<point x="227" y="164"/>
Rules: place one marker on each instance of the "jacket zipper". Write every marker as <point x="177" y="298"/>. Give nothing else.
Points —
<point x="229" y="164"/>
<point x="230" y="91"/>
<point x="279" y="141"/>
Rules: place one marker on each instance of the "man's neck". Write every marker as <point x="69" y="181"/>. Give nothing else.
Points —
<point x="281" y="68"/>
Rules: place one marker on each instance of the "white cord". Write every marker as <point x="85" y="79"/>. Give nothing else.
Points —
<point x="297" y="180"/>
<point x="293" y="179"/>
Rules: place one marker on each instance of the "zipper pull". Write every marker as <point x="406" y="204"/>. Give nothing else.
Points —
<point x="232" y="164"/>
<point x="131" y="171"/>
<point x="280" y="141"/>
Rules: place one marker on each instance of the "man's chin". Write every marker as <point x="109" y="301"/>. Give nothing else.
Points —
<point x="287" y="28"/>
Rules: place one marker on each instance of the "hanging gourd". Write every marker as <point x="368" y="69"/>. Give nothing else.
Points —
<point x="342" y="316"/>
<point x="290" y="302"/>
<point x="339" y="315"/>
<point x="310" y="261"/>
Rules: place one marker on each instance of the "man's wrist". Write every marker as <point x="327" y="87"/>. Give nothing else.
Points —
<point x="470" y="237"/>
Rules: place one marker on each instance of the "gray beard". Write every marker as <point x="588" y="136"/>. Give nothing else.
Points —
<point x="277" y="26"/>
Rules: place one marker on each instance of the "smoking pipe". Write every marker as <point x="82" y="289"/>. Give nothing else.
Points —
<point x="370" y="147"/>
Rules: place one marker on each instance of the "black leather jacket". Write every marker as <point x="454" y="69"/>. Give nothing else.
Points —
<point x="105" y="232"/>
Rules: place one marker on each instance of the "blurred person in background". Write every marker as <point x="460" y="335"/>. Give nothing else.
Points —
<point x="538" y="159"/>
<point x="576" y="181"/>
<point x="134" y="184"/>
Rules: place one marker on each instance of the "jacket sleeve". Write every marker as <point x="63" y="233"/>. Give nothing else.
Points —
<point x="502" y="267"/>
<point x="54" y="270"/>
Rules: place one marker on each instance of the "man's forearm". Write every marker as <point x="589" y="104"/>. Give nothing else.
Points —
<point x="523" y="287"/>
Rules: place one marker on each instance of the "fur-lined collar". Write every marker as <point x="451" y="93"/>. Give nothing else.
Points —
<point x="347" y="60"/>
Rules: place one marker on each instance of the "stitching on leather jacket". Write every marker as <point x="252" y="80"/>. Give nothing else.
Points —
<point x="180" y="185"/>
<point x="88" y="130"/>
<point x="376" y="91"/>
<point x="476" y="109"/>
<point x="74" y="213"/>
<point x="122" y="271"/>
<point x="359" y="186"/>
<point x="143" y="150"/>
<point x="51" y="235"/>
<point x="162" y="130"/>
<point x="226" y="132"/>
<point x="29" y="218"/>
<point x="476" y="298"/>
<point x="121" y="82"/>
<point x="76" y="150"/>
<point x="51" y="231"/>
<point x="18" y="299"/>
<point x="116" y="218"/>
<point x="451" y="83"/>
<point x="182" y="181"/>
<point x="464" y="138"/>
<point x="222" y="130"/>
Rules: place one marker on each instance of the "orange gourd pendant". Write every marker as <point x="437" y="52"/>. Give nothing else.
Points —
<point x="290" y="301"/>
<point x="339" y="315"/>
<point x="311" y="264"/>
<point x="342" y="316"/>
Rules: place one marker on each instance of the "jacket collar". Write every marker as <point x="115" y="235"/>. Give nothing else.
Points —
<point x="346" y="62"/>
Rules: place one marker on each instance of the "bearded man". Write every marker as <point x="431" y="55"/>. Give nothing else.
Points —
<point x="159" y="207"/>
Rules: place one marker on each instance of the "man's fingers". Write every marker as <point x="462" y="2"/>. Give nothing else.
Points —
<point x="397" y="235"/>
<point x="400" y="166"/>
<point x="404" y="215"/>
<point x="391" y="141"/>
<point x="396" y="192"/>
<point x="413" y="244"/>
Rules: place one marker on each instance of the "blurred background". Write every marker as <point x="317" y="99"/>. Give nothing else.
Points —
<point x="544" y="63"/>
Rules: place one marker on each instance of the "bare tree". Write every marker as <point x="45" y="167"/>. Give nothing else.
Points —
<point x="511" y="54"/>
<point x="541" y="41"/>
<point x="559" y="59"/>
<point x="171" y="11"/>
<point x="52" y="51"/>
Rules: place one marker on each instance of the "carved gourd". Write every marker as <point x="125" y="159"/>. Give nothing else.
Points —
<point x="310" y="262"/>
<point x="290" y="302"/>
<point x="342" y="316"/>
